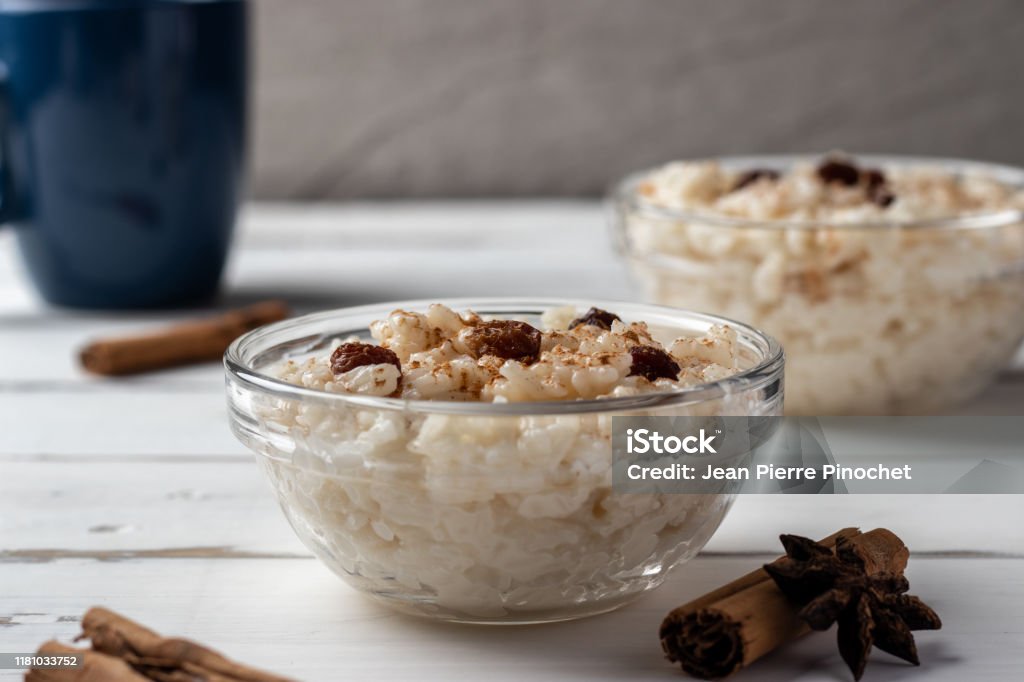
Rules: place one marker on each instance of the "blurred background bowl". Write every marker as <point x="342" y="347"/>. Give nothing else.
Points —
<point x="880" y="318"/>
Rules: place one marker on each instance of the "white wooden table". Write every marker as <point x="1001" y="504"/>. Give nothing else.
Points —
<point x="134" y="495"/>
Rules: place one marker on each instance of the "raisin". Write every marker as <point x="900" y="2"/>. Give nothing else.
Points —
<point x="843" y="172"/>
<point x="753" y="175"/>
<point x="596" y="317"/>
<point x="348" y="356"/>
<point x="507" y="339"/>
<point x="653" y="363"/>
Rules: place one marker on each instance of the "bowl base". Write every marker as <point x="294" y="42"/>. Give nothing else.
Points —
<point x="565" y="612"/>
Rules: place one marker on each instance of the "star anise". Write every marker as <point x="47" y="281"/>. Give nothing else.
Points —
<point x="872" y="609"/>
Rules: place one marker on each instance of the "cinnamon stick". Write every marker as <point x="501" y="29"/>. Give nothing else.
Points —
<point x="721" y="632"/>
<point x="116" y="635"/>
<point x="96" y="667"/>
<point x="180" y="344"/>
<point x="125" y="651"/>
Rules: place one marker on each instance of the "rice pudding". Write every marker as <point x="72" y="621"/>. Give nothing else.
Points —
<point x="895" y="285"/>
<point x="458" y="465"/>
<point x="444" y="355"/>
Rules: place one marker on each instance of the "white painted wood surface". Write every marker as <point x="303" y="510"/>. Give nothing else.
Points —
<point x="134" y="495"/>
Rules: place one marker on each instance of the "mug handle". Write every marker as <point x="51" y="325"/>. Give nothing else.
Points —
<point x="6" y="188"/>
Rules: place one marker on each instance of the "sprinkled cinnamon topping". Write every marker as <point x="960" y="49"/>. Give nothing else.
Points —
<point x="443" y="355"/>
<point x="837" y="189"/>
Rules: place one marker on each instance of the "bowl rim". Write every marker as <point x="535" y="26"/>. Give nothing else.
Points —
<point x="769" y="368"/>
<point x="625" y="196"/>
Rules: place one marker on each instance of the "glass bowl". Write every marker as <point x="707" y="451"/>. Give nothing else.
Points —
<point x="472" y="511"/>
<point x="882" y="318"/>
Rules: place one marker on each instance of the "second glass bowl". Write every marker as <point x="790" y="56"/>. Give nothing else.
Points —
<point x="883" y="318"/>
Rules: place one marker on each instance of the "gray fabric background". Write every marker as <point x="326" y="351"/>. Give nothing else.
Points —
<point x="389" y="98"/>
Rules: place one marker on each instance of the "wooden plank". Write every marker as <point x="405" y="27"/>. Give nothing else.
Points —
<point x="940" y="524"/>
<point x="333" y="279"/>
<point x="294" y="617"/>
<point x="470" y="225"/>
<point x="122" y="506"/>
<point x="138" y="422"/>
<point x="127" y="505"/>
<point x="48" y="361"/>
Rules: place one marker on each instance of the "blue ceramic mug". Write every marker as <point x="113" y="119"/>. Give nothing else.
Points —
<point x="122" y="145"/>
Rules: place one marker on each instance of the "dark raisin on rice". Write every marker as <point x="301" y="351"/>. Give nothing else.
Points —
<point x="876" y="186"/>
<point x="348" y="356"/>
<point x="596" y="317"/>
<point x="839" y="171"/>
<point x="507" y="339"/>
<point x="653" y="363"/>
<point x="753" y="175"/>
